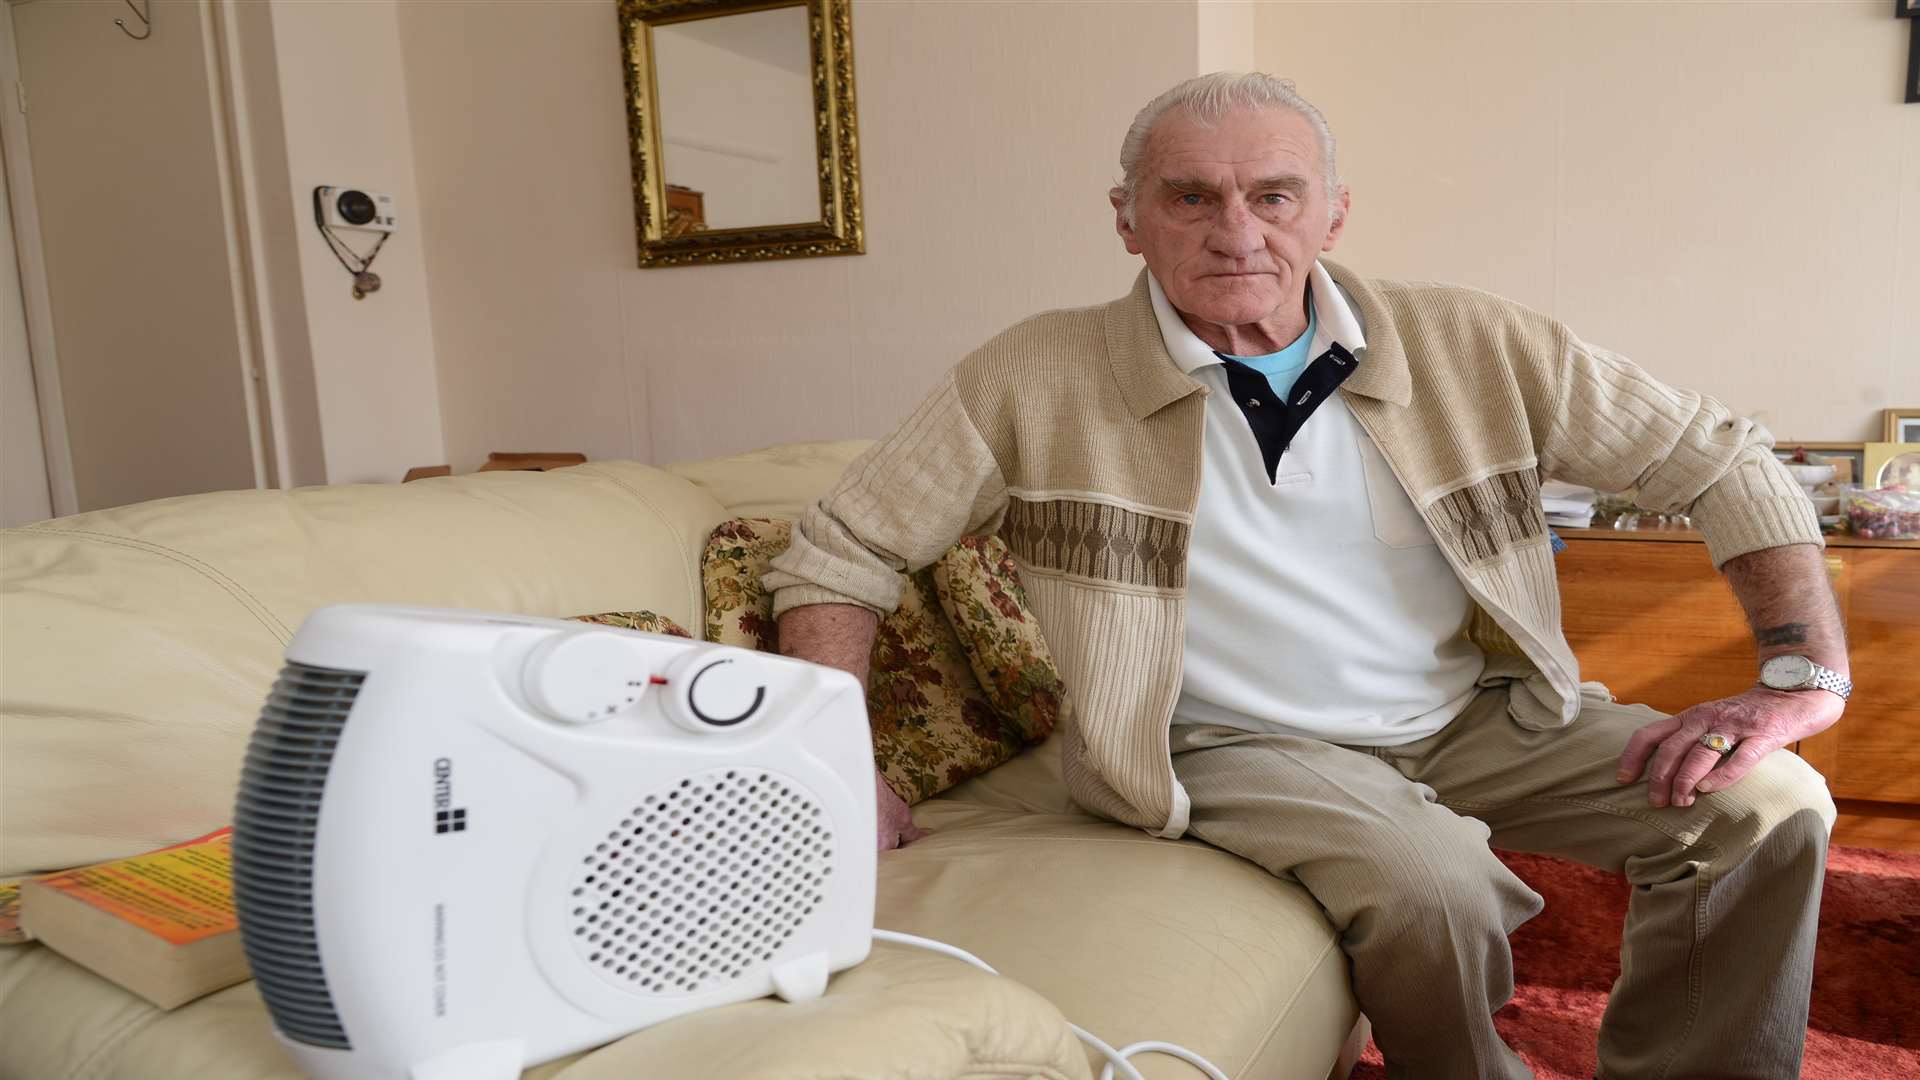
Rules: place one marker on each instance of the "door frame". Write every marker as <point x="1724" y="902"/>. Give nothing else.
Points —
<point x="241" y="211"/>
<point x="239" y="202"/>
<point x="33" y="276"/>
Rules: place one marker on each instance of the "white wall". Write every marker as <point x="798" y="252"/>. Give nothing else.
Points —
<point x="1730" y="194"/>
<point x="1227" y="35"/>
<point x="1734" y="199"/>
<point x="989" y="133"/>
<point x="343" y="100"/>
<point x="520" y="137"/>
<point x="274" y="216"/>
<point x="1731" y="198"/>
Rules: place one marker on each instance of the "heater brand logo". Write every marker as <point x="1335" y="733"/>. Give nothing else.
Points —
<point x="446" y="817"/>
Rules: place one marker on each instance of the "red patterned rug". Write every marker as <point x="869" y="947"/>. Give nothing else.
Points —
<point x="1865" y="1023"/>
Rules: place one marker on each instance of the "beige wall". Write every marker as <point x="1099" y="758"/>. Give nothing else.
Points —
<point x="519" y="139"/>
<point x="1227" y="35"/>
<point x="343" y="101"/>
<point x="1728" y="194"/>
<point x="988" y="133"/>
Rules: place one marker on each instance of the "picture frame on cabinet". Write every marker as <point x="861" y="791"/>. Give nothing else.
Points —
<point x="1900" y="425"/>
<point x="1913" y="53"/>
<point x="1892" y="464"/>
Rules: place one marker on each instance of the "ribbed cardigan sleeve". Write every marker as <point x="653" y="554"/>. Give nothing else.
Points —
<point x="898" y="507"/>
<point x="1615" y="427"/>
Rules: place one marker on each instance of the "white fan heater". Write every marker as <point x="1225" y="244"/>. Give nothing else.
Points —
<point x="466" y="843"/>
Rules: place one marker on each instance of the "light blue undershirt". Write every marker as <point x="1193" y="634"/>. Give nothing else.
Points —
<point x="1283" y="367"/>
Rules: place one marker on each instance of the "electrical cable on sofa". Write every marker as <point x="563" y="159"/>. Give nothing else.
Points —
<point x="1116" y="1059"/>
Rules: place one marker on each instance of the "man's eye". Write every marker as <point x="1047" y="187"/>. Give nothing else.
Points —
<point x="1274" y="198"/>
<point x="1190" y="199"/>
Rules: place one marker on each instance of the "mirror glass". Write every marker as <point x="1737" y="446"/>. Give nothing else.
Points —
<point x="736" y="121"/>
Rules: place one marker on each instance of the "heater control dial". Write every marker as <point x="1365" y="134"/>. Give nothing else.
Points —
<point x="713" y="690"/>
<point x="584" y="677"/>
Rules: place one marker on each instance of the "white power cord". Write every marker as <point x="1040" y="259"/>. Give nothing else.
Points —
<point x="1116" y="1059"/>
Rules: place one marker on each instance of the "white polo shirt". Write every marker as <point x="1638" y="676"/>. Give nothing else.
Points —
<point x="1318" y="604"/>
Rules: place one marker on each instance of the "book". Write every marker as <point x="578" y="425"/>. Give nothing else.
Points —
<point x="10" y="932"/>
<point x="160" y="924"/>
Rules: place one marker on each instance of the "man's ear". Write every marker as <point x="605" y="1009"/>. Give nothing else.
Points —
<point x="1119" y="200"/>
<point x="1343" y="204"/>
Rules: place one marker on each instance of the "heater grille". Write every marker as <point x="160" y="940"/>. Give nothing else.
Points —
<point x="273" y="838"/>
<point x="702" y="881"/>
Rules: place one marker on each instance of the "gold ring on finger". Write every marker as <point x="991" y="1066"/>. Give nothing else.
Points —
<point x="1717" y="743"/>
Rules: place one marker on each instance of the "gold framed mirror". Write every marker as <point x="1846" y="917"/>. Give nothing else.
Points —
<point x="742" y="129"/>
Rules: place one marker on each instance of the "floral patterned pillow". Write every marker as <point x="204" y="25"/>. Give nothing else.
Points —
<point x="636" y="620"/>
<point x="980" y="593"/>
<point x="933" y="723"/>
<point x="739" y="611"/>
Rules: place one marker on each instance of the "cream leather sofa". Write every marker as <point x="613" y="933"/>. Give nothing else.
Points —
<point x="136" y="646"/>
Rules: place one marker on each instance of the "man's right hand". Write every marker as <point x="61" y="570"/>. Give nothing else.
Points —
<point x="841" y="635"/>
<point x="895" y="819"/>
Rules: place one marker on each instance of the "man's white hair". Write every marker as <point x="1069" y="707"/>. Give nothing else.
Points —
<point x="1206" y="98"/>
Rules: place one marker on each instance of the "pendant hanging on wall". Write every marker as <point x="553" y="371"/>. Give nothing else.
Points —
<point x="337" y="208"/>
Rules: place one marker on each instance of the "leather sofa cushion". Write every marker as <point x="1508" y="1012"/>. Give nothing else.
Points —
<point x="775" y="482"/>
<point x="1128" y="936"/>
<point x="903" y="1014"/>
<point x="137" y="644"/>
<point x="1132" y="937"/>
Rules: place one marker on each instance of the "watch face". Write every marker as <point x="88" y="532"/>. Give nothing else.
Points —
<point x="1786" y="672"/>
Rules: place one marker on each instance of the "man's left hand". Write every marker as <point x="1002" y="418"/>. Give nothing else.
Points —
<point x="1758" y="722"/>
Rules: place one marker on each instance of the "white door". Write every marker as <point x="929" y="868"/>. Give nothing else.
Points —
<point x="134" y="216"/>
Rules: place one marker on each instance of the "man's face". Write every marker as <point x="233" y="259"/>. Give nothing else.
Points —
<point x="1232" y="217"/>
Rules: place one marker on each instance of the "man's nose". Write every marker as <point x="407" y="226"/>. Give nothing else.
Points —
<point x="1235" y="232"/>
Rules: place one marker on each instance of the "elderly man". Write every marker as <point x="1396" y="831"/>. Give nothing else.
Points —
<point x="1280" y="523"/>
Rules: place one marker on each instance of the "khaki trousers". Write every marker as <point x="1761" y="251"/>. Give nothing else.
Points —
<point x="1717" y="953"/>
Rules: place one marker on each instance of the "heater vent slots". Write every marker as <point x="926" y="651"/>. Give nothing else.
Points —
<point x="273" y="839"/>
<point x="701" y="882"/>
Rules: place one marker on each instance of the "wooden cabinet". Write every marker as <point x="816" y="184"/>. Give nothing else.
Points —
<point x="1647" y="615"/>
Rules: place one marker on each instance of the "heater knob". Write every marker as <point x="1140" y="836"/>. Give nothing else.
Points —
<point x="585" y="677"/>
<point x="712" y="690"/>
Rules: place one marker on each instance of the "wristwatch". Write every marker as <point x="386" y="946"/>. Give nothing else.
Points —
<point x="1800" y="673"/>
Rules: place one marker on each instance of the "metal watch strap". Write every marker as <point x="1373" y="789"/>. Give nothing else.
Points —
<point x="1825" y="678"/>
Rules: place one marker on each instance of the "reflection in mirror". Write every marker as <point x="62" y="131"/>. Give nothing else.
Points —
<point x="742" y="128"/>
<point x="736" y="121"/>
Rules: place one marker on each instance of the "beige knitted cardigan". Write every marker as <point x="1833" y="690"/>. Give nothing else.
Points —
<point x="1076" y="438"/>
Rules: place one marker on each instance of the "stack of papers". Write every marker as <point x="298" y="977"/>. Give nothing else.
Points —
<point x="1569" y="505"/>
